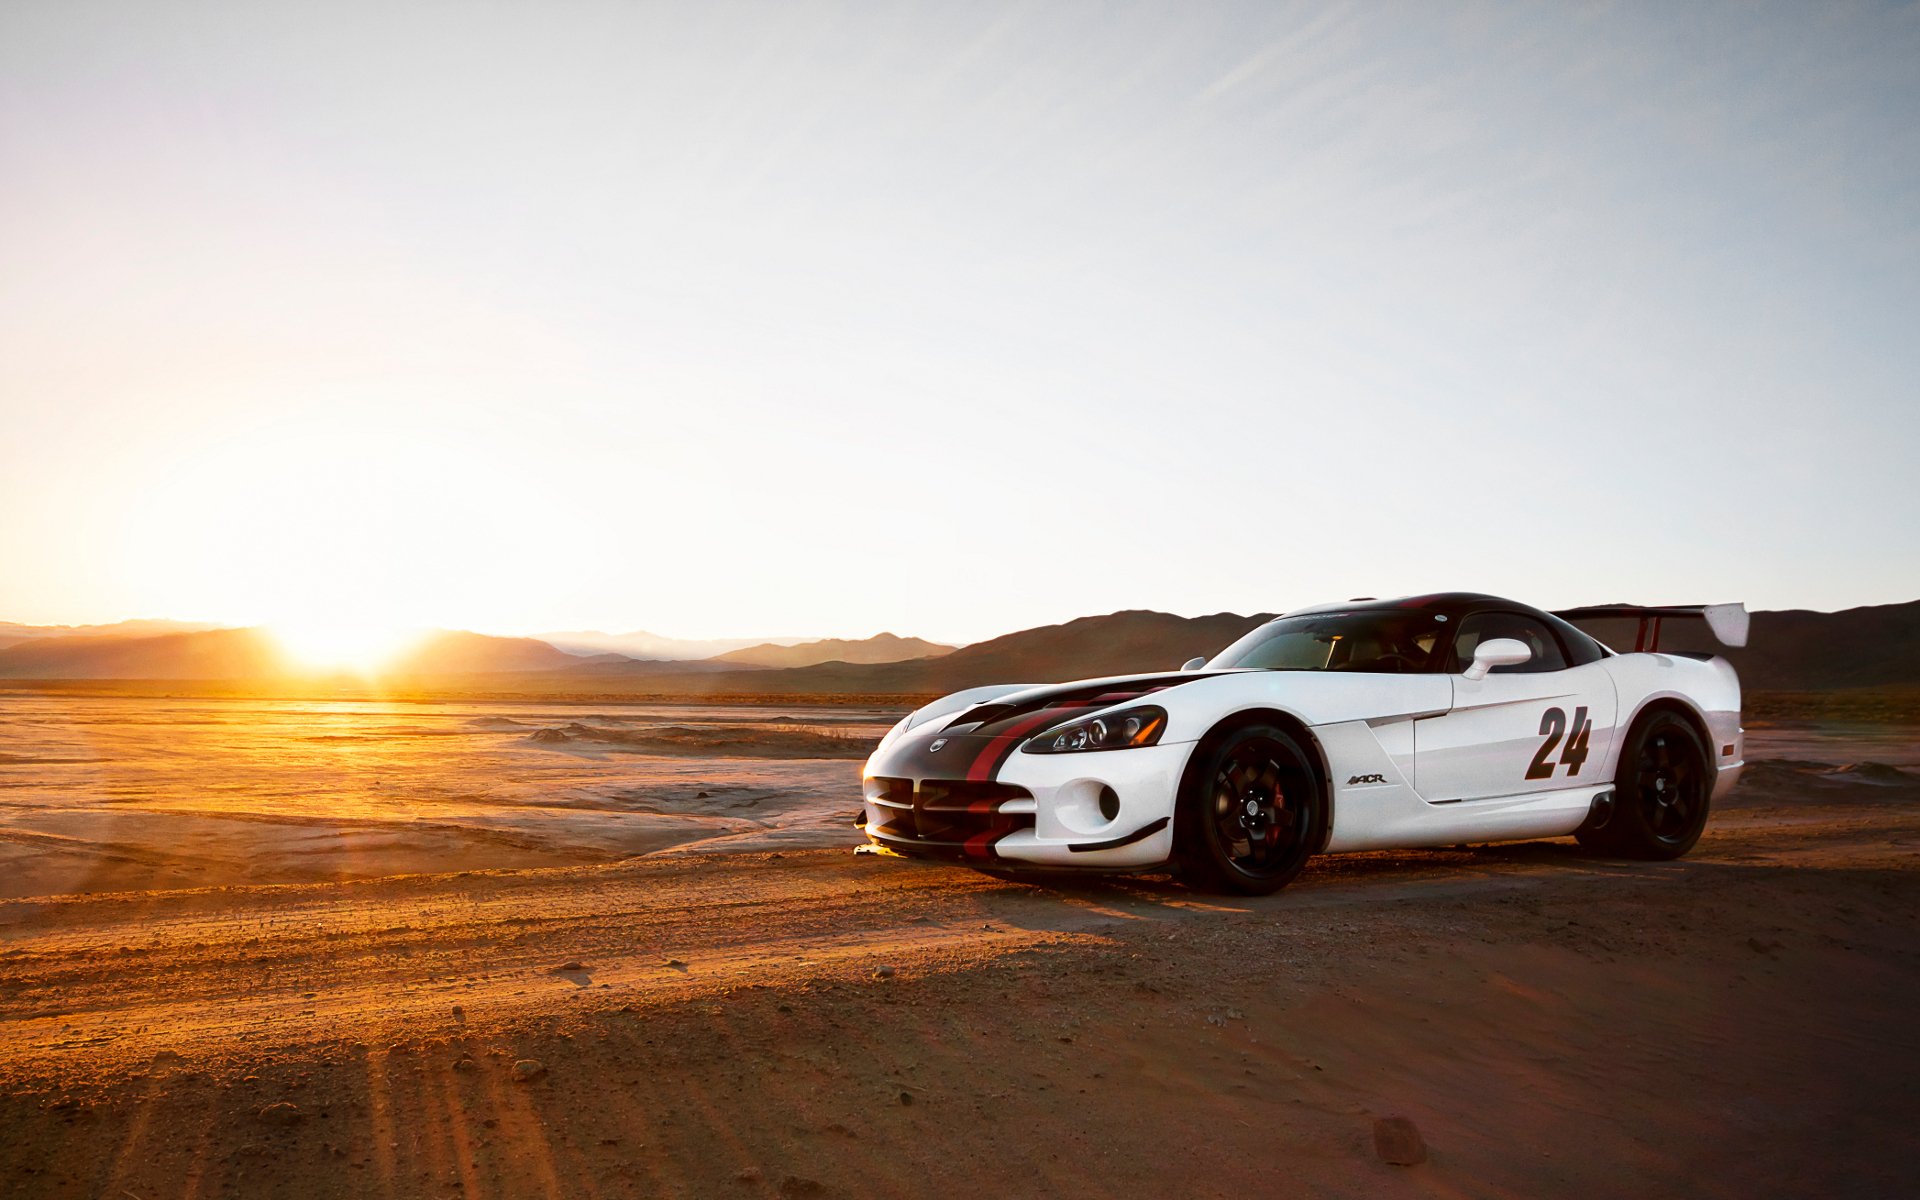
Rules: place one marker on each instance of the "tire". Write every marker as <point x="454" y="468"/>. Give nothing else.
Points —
<point x="1662" y="790"/>
<point x="1250" y="812"/>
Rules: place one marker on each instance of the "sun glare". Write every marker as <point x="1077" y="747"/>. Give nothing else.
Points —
<point x="342" y="646"/>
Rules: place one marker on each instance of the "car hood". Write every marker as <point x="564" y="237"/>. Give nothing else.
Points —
<point x="974" y="742"/>
<point x="1084" y="695"/>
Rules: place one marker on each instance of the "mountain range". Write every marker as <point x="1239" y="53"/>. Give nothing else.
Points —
<point x="12" y="634"/>
<point x="880" y="648"/>
<point x="1875" y="646"/>
<point x="158" y="651"/>
<point x="643" y="645"/>
<point x="253" y="654"/>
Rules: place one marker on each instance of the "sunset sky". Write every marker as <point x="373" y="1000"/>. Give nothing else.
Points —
<point x="950" y="319"/>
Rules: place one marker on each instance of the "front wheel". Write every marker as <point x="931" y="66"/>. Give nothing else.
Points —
<point x="1249" y="814"/>
<point x="1661" y="791"/>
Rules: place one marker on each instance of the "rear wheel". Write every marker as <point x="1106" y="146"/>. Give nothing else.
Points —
<point x="1661" y="791"/>
<point x="1250" y="813"/>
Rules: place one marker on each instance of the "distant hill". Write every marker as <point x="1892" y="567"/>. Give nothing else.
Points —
<point x="1117" y="644"/>
<point x="643" y="645"/>
<point x="459" y="653"/>
<point x="1803" y="651"/>
<point x="248" y="654"/>
<point x="204" y="654"/>
<point x="880" y="648"/>
<point x="615" y="666"/>
<point x="12" y="634"/>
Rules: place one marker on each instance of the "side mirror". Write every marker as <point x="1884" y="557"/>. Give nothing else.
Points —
<point x="1193" y="664"/>
<point x="1497" y="652"/>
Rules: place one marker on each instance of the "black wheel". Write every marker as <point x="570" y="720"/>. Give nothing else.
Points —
<point x="1250" y="813"/>
<point x="1661" y="791"/>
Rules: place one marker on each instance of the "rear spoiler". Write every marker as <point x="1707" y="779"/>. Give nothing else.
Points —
<point x="1727" y="621"/>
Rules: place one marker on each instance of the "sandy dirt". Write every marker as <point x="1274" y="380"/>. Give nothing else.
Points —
<point x="815" y="1022"/>
<point x="116" y="793"/>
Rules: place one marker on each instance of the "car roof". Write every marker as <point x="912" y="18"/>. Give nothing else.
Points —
<point x="1453" y="605"/>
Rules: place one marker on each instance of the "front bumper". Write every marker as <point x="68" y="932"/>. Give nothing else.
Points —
<point x="1038" y="809"/>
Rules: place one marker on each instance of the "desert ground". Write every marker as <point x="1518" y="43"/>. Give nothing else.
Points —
<point x="119" y="792"/>
<point x="340" y="949"/>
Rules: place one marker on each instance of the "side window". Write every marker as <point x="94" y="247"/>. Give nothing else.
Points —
<point x="1581" y="648"/>
<point x="1484" y="627"/>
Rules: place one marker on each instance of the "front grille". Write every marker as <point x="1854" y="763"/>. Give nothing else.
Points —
<point x="946" y="817"/>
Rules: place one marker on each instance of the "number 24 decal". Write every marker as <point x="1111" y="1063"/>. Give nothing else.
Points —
<point x="1553" y="723"/>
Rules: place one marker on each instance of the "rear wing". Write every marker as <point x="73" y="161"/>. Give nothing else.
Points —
<point x="1727" y="622"/>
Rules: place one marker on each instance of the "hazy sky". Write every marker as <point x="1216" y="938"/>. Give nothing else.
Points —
<point x="950" y="319"/>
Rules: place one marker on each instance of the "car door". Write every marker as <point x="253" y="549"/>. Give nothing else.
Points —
<point x="1531" y="727"/>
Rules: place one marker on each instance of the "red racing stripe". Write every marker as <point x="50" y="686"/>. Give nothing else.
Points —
<point x="996" y="750"/>
<point x="980" y="845"/>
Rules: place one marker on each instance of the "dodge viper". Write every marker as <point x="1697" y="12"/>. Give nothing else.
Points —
<point x="1372" y="724"/>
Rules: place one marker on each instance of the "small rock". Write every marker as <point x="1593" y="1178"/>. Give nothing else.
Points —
<point x="1213" y="1020"/>
<point x="906" y="1097"/>
<point x="701" y="796"/>
<point x="527" y="1070"/>
<point x="281" y="1113"/>
<point x="675" y="964"/>
<point x="1234" y="1014"/>
<point x="1397" y="1141"/>
<point x="883" y="972"/>
<point x="464" y="1064"/>
<point x="1759" y="947"/>
<point x="747" y="1175"/>
<point x="570" y="965"/>
<point x="459" y="1014"/>
<point x="794" y="1185"/>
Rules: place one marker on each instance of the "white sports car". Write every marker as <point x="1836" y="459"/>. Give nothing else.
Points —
<point x="1424" y="721"/>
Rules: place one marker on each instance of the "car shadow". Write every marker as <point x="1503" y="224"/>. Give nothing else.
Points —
<point x="1032" y="899"/>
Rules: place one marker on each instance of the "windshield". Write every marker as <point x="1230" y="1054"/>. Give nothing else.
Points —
<point x="1377" y="641"/>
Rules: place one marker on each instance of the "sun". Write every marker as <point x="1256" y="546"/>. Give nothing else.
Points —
<point x="343" y="645"/>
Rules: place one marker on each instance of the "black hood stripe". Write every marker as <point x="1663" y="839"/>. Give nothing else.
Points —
<point x="979" y="743"/>
<point x="986" y="764"/>
<point x="996" y="715"/>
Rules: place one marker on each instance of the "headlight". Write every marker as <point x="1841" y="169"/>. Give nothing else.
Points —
<point x="1121" y="730"/>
